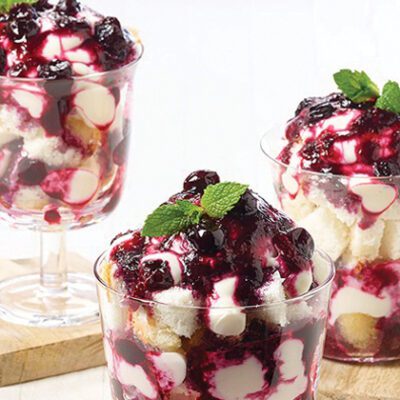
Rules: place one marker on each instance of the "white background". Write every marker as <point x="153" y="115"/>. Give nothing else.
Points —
<point x="214" y="75"/>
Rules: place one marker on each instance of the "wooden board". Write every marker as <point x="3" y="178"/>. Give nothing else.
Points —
<point x="28" y="353"/>
<point x="31" y="353"/>
<point x="341" y="381"/>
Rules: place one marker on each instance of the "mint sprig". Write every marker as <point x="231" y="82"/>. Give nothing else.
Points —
<point x="356" y="85"/>
<point x="219" y="199"/>
<point x="390" y="98"/>
<point x="216" y="202"/>
<point x="6" y="5"/>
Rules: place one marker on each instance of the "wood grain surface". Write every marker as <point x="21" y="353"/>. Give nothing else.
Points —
<point x="31" y="353"/>
<point x="341" y="381"/>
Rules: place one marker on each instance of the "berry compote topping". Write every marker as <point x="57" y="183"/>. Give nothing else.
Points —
<point x="57" y="41"/>
<point x="252" y="243"/>
<point x="332" y="134"/>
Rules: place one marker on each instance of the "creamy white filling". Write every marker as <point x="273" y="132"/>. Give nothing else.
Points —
<point x="225" y="317"/>
<point x="294" y="382"/>
<point x="82" y="187"/>
<point x="375" y="197"/>
<point x="238" y="381"/>
<point x="171" y="369"/>
<point x="34" y="103"/>
<point x="135" y="375"/>
<point x="349" y="300"/>
<point x="96" y="103"/>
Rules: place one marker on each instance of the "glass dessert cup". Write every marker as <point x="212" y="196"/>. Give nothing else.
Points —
<point x="63" y="148"/>
<point x="356" y="221"/>
<point x="277" y="355"/>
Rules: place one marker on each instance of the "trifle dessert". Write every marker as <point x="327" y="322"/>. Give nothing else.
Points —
<point x="66" y="80"/>
<point x="65" y="84"/>
<point x="219" y="296"/>
<point x="337" y="174"/>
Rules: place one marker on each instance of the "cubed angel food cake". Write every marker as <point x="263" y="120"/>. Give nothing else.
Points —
<point x="65" y="80"/>
<point x="219" y="296"/>
<point x="338" y="176"/>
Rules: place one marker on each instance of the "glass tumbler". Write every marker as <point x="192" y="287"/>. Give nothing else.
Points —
<point x="356" y="221"/>
<point x="152" y="354"/>
<point x="63" y="148"/>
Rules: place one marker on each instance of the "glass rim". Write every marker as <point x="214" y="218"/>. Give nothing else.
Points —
<point x="266" y="150"/>
<point x="145" y="302"/>
<point x="91" y="76"/>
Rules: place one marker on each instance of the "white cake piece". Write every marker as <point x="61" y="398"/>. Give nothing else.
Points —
<point x="318" y="197"/>
<point x="390" y="245"/>
<point x="179" y="314"/>
<point x="348" y="260"/>
<point x="30" y="198"/>
<point x="298" y="207"/>
<point x="274" y="292"/>
<point x="299" y="310"/>
<point x="153" y="333"/>
<point x="238" y="381"/>
<point x="52" y="151"/>
<point x="9" y="125"/>
<point x="329" y="234"/>
<point x="365" y="243"/>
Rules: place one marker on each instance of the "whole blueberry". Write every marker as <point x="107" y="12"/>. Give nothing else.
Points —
<point x="302" y="241"/>
<point x="207" y="240"/>
<point x="109" y="34"/>
<point x="23" y="23"/>
<point x="387" y="168"/>
<point x="42" y="5"/>
<point x="197" y="181"/>
<point x="31" y="172"/>
<point x="156" y="275"/>
<point x="69" y="7"/>
<point x="60" y="71"/>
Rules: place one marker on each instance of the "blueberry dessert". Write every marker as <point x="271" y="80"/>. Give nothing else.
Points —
<point x="65" y="84"/>
<point x="218" y="296"/>
<point x="338" y="175"/>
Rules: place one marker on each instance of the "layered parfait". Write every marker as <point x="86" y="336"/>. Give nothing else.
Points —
<point x="65" y="81"/>
<point x="338" y="176"/>
<point x="219" y="296"/>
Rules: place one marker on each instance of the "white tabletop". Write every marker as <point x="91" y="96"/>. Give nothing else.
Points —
<point x="214" y="75"/>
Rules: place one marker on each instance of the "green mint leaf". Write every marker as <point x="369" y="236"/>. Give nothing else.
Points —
<point x="191" y="210"/>
<point x="390" y="98"/>
<point x="219" y="199"/>
<point x="356" y="85"/>
<point x="169" y="219"/>
<point x="6" y="5"/>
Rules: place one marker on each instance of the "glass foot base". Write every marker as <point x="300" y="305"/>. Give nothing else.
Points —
<point x="22" y="301"/>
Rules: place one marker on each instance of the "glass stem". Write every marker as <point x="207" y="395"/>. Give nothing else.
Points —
<point x="53" y="263"/>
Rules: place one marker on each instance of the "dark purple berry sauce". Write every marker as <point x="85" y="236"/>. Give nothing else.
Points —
<point x="56" y="41"/>
<point x="237" y="245"/>
<point x="324" y="126"/>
